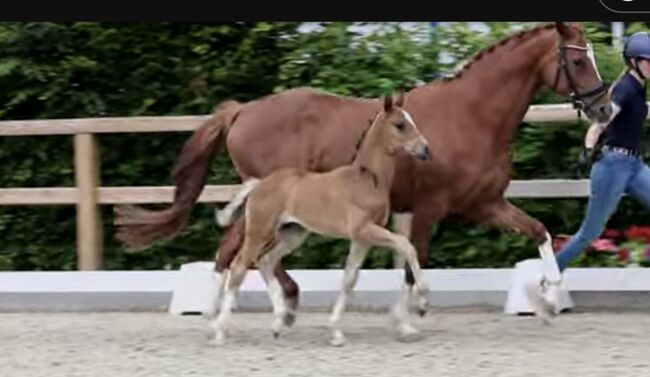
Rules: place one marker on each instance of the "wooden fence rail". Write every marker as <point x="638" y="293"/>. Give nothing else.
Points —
<point x="88" y="193"/>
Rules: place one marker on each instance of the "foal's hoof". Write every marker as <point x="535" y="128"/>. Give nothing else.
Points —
<point x="407" y="333"/>
<point x="217" y="340"/>
<point x="289" y="319"/>
<point x="423" y="308"/>
<point x="276" y="334"/>
<point x="292" y="302"/>
<point x="337" y="341"/>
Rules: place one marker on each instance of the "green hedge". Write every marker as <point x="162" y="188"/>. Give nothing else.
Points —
<point x="69" y="70"/>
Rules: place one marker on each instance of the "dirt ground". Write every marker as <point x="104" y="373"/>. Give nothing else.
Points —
<point x="454" y="343"/>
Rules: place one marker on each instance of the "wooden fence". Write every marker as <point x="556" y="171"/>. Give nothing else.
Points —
<point x="88" y="193"/>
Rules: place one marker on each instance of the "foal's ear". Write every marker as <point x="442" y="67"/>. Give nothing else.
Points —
<point x="399" y="99"/>
<point x="388" y="103"/>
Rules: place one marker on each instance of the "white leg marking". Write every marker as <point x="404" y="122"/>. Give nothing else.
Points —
<point x="543" y="290"/>
<point x="220" y="323"/>
<point x="355" y="258"/>
<point x="218" y="279"/>
<point x="275" y="294"/>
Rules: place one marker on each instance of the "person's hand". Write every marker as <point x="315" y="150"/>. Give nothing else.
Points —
<point x="586" y="157"/>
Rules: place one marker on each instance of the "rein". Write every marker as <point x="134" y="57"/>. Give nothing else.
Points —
<point x="577" y="98"/>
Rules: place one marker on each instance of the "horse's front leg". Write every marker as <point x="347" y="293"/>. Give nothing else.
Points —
<point x="421" y="224"/>
<point x="356" y="256"/>
<point x="543" y="290"/>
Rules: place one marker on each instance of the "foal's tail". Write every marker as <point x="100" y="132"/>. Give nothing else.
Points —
<point x="138" y="227"/>
<point x="230" y="212"/>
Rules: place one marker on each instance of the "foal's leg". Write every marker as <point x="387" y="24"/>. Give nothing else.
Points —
<point x="231" y="243"/>
<point x="426" y="214"/>
<point x="373" y="234"/>
<point x="402" y="223"/>
<point x="284" y="314"/>
<point x="229" y="246"/>
<point x="357" y="254"/>
<point x="233" y="280"/>
<point x="505" y="215"/>
<point x="280" y="310"/>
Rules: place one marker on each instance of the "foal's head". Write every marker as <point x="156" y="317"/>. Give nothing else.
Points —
<point x="399" y="130"/>
<point x="573" y="71"/>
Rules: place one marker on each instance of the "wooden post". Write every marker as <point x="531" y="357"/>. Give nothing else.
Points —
<point x="89" y="225"/>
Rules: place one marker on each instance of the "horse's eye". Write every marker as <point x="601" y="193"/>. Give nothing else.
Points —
<point x="400" y="126"/>
<point x="578" y="62"/>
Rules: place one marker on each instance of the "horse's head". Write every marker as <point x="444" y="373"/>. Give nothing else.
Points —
<point x="571" y="70"/>
<point x="399" y="129"/>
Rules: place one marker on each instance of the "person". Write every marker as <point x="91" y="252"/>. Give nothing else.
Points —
<point x="615" y="150"/>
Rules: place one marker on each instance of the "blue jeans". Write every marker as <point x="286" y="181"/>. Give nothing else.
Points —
<point x="612" y="176"/>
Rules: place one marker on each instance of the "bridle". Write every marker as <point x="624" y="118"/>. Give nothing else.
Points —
<point x="577" y="98"/>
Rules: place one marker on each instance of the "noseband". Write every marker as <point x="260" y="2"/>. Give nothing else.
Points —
<point x="577" y="98"/>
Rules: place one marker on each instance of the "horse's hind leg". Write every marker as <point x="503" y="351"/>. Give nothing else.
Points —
<point x="288" y="238"/>
<point x="358" y="252"/>
<point x="230" y="246"/>
<point x="234" y="278"/>
<point x="280" y="309"/>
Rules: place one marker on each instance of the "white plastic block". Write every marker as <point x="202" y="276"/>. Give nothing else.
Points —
<point x="195" y="289"/>
<point x="517" y="301"/>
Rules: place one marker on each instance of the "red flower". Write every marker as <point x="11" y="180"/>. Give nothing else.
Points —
<point x="611" y="233"/>
<point x="638" y="233"/>
<point x="604" y="244"/>
<point x="623" y="255"/>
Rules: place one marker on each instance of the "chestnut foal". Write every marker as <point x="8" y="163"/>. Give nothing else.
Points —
<point x="350" y="202"/>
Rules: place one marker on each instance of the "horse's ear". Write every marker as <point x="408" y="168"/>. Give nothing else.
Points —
<point x="388" y="103"/>
<point x="563" y="28"/>
<point x="399" y="99"/>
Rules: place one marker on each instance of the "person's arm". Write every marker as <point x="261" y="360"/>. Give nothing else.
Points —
<point x="592" y="135"/>
<point x="594" y="131"/>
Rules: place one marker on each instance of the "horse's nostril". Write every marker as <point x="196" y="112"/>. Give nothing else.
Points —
<point x="426" y="153"/>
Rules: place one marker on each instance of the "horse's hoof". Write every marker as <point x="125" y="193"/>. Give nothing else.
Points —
<point x="289" y="319"/>
<point x="407" y="333"/>
<point x="217" y="340"/>
<point x="292" y="302"/>
<point x="544" y="308"/>
<point x="276" y="334"/>
<point x="422" y="312"/>
<point x="337" y="341"/>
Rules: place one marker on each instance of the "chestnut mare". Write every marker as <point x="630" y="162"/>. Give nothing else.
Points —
<point x="468" y="121"/>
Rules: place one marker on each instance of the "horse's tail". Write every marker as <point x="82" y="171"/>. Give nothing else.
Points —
<point x="138" y="227"/>
<point x="230" y="212"/>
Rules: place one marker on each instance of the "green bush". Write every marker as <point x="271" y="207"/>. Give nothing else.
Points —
<point x="72" y="70"/>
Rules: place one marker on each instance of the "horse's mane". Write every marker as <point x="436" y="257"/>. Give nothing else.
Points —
<point x="518" y="36"/>
<point x="363" y="135"/>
